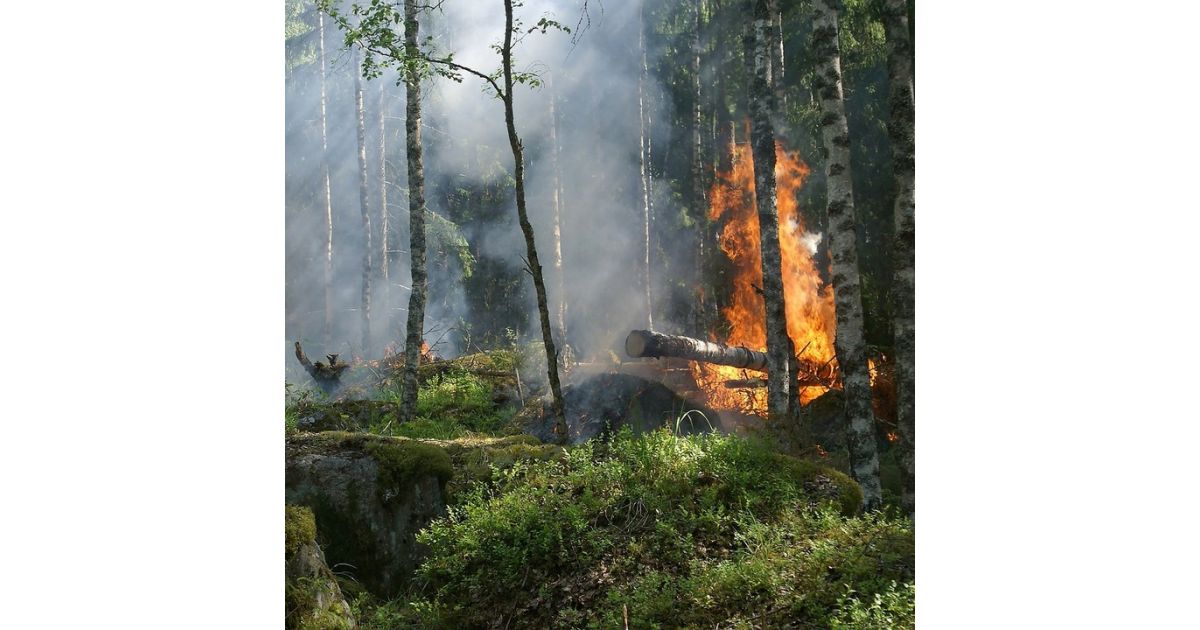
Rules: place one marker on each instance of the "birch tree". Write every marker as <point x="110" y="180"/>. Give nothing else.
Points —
<point x="327" y="330"/>
<point x="762" y="138"/>
<point x="902" y="136"/>
<point x="364" y="205"/>
<point x="850" y="344"/>
<point x="642" y="166"/>
<point x="560" y="307"/>
<point x="384" y="219"/>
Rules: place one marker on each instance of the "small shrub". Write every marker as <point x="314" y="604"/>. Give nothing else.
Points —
<point x="895" y="607"/>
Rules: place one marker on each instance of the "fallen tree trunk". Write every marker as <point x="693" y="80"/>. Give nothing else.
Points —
<point x="746" y="383"/>
<point x="646" y="343"/>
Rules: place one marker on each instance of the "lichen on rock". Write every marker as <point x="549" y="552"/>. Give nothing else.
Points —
<point x="313" y="599"/>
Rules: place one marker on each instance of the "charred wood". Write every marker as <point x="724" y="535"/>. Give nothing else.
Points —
<point x="327" y="376"/>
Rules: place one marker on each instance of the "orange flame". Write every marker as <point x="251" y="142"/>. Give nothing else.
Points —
<point x="808" y="301"/>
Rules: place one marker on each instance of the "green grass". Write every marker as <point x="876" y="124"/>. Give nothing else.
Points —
<point x="456" y="399"/>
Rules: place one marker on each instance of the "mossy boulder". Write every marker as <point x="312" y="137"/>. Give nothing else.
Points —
<point x="371" y="495"/>
<point x="602" y="404"/>
<point x="312" y="596"/>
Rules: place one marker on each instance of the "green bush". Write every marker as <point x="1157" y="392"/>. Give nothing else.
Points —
<point x="895" y="607"/>
<point x="679" y="531"/>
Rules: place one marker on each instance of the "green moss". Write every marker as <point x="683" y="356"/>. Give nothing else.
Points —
<point x="823" y="481"/>
<point x="304" y="611"/>
<point x="300" y="527"/>
<point x="403" y="460"/>
<point x="476" y="458"/>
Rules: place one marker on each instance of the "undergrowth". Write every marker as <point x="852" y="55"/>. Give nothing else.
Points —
<point x="471" y="395"/>
<point x="696" y="531"/>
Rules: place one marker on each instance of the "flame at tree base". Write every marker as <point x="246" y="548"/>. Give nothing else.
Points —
<point x="809" y="302"/>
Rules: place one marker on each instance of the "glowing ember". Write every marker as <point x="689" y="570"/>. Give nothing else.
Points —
<point x="809" y="303"/>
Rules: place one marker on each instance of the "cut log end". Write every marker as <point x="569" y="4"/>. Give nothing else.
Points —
<point x="637" y="343"/>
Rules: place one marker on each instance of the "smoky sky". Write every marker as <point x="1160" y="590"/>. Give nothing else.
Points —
<point x="595" y="81"/>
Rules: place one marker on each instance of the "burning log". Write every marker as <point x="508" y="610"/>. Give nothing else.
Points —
<point x="646" y="343"/>
<point x="327" y="376"/>
<point x="745" y="383"/>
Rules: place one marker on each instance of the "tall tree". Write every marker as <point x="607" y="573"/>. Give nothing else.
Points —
<point x="777" y="62"/>
<point x="415" y="328"/>
<point x="762" y="138"/>
<point x="699" y="210"/>
<point x="643" y="156"/>
<point x="560" y="308"/>
<point x="364" y="205"/>
<point x="535" y="268"/>
<point x="850" y="343"/>
<point x="384" y="238"/>
<point x="327" y="330"/>
<point x="902" y="136"/>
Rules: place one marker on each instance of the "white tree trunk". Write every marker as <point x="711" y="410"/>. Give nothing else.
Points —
<point x="850" y="343"/>
<point x="560" y="310"/>
<point x="763" y="147"/>
<point x="327" y="330"/>
<point x="384" y="220"/>
<point x="364" y="204"/>
<point x="642" y="167"/>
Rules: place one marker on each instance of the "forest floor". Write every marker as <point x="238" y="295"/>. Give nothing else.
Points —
<point x="637" y="527"/>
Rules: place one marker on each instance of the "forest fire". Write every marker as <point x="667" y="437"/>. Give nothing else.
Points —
<point x="809" y="302"/>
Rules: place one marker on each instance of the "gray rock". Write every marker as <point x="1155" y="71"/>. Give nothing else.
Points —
<point x="604" y="403"/>
<point x="371" y="495"/>
<point x="314" y="599"/>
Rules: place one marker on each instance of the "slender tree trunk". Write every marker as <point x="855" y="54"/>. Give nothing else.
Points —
<point x="364" y="196"/>
<point x="777" y="63"/>
<point x="642" y="153"/>
<point x="699" y="207"/>
<point x="535" y="268"/>
<point x="384" y="237"/>
<point x="902" y="136"/>
<point x="850" y="343"/>
<point x="724" y="122"/>
<point x="763" y="148"/>
<point x="414" y="332"/>
<point x="327" y="331"/>
<point x="560" y="309"/>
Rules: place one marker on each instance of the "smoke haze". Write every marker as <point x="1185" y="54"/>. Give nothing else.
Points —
<point x="595" y="82"/>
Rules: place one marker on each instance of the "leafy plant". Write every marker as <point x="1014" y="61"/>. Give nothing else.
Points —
<point x="677" y="531"/>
